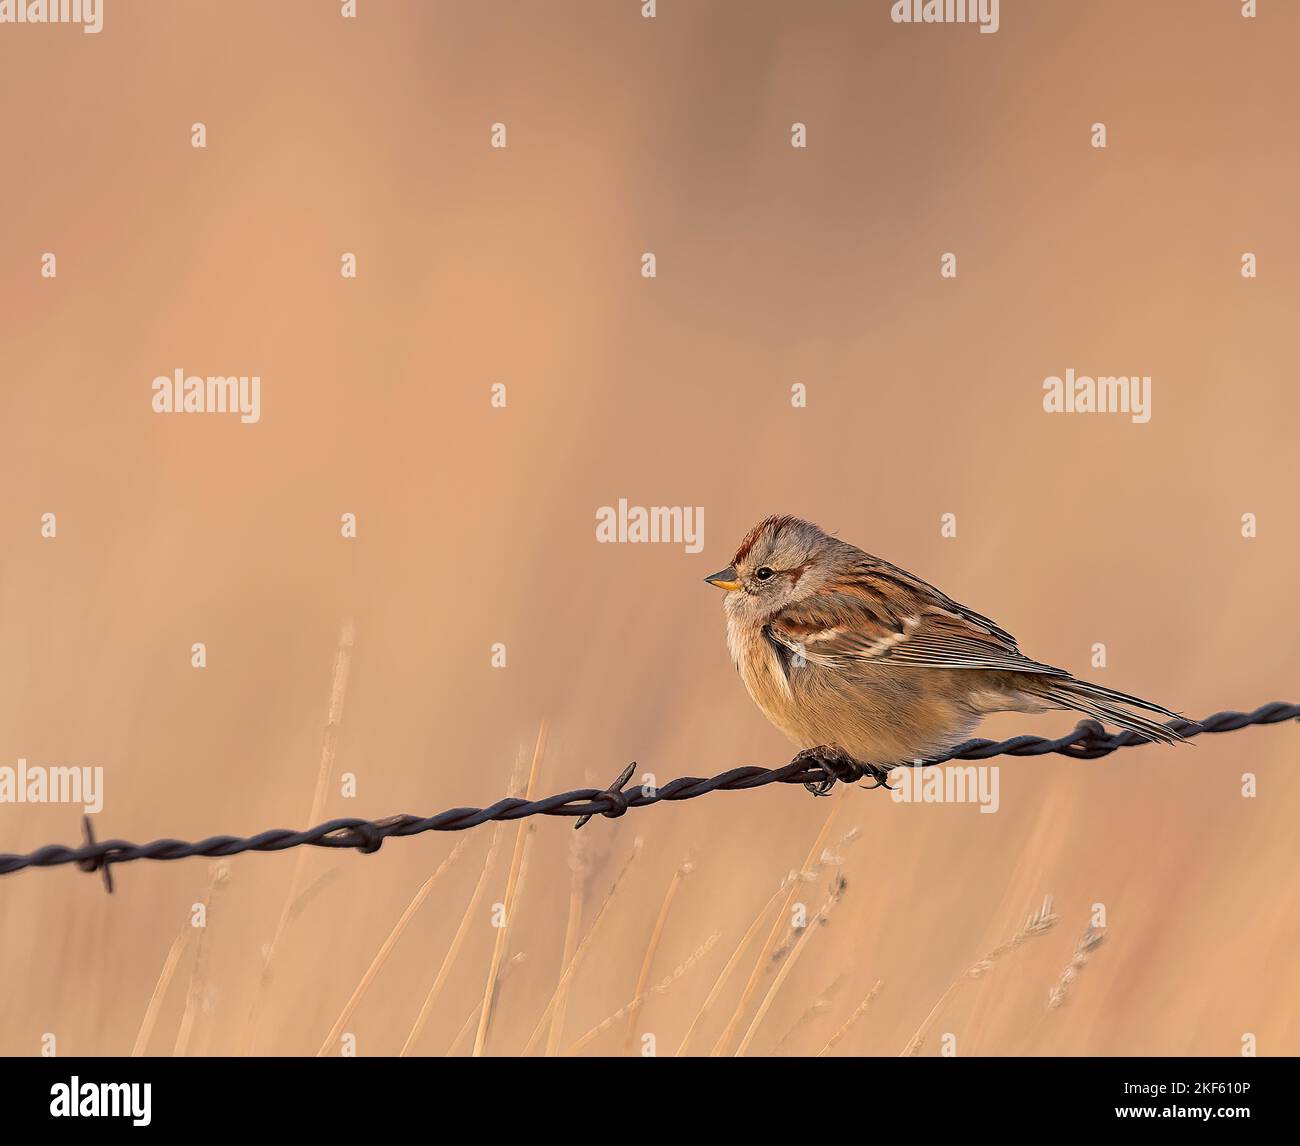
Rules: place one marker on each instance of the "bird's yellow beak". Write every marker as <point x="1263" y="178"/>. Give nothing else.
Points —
<point x="727" y="579"/>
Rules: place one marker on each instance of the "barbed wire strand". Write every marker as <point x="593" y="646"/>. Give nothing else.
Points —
<point x="1088" y="741"/>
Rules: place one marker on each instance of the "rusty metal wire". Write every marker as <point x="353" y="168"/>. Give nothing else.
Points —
<point x="1088" y="741"/>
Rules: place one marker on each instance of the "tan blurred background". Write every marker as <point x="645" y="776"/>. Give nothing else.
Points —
<point x="476" y="525"/>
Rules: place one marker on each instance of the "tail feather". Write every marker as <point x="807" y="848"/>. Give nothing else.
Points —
<point x="1108" y="704"/>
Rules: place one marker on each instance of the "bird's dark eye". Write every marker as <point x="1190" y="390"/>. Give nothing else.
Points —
<point x="764" y="573"/>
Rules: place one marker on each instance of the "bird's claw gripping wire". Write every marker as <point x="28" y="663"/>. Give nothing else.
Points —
<point x="837" y="765"/>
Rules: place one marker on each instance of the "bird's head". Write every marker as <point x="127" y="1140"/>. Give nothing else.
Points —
<point x="780" y="561"/>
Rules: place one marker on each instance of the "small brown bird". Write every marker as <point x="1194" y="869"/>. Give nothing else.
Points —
<point x="861" y="663"/>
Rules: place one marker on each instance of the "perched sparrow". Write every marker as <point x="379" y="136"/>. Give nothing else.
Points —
<point x="859" y="662"/>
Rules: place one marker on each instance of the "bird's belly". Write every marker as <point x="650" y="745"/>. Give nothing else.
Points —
<point x="878" y="716"/>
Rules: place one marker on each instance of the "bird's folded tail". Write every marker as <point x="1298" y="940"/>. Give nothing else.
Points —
<point x="1107" y="704"/>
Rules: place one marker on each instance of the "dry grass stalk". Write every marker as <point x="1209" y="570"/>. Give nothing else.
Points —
<point x="329" y="749"/>
<point x="577" y="884"/>
<point x="1088" y="942"/>
<point x="1039" y="923"/>
<point x="218" y="878"/>
<point x="313" y="889"/>
<point x="386" y="948"/>
<point x="512" y="881"/>
<point x="633" y="1006"/>
<point x="836" y="893"/>
<point x="858" y="1012"/>
<point x="778" y="925"/>
<point x="160" y="992"/>
<point x="472" y="1018"/>
<point x="567" y="974"/>
<point x="832" y="856"/>
<point x="465" y="1028"/>
<point x="457" y="942"/>
<point x="643" y="977"/>
<point x="819" y="1006"/>
<point x="519" y="892"/>
<point x="730" y="966"/>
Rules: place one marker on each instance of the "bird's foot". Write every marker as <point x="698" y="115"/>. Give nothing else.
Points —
<point x="836" y="764"/>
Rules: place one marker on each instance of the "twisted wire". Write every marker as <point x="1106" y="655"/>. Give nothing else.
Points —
<point x="1088" y="741"/>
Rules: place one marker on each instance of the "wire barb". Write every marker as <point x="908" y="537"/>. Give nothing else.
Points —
<point x="98" y="862"/>
<point x="614" y="790"/>
<point x="1088" y="741"/>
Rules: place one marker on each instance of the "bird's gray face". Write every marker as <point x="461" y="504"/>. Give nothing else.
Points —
<point x="775" y="566"/>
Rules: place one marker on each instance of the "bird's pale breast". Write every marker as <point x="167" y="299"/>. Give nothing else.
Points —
<point x="879" y="714"/>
